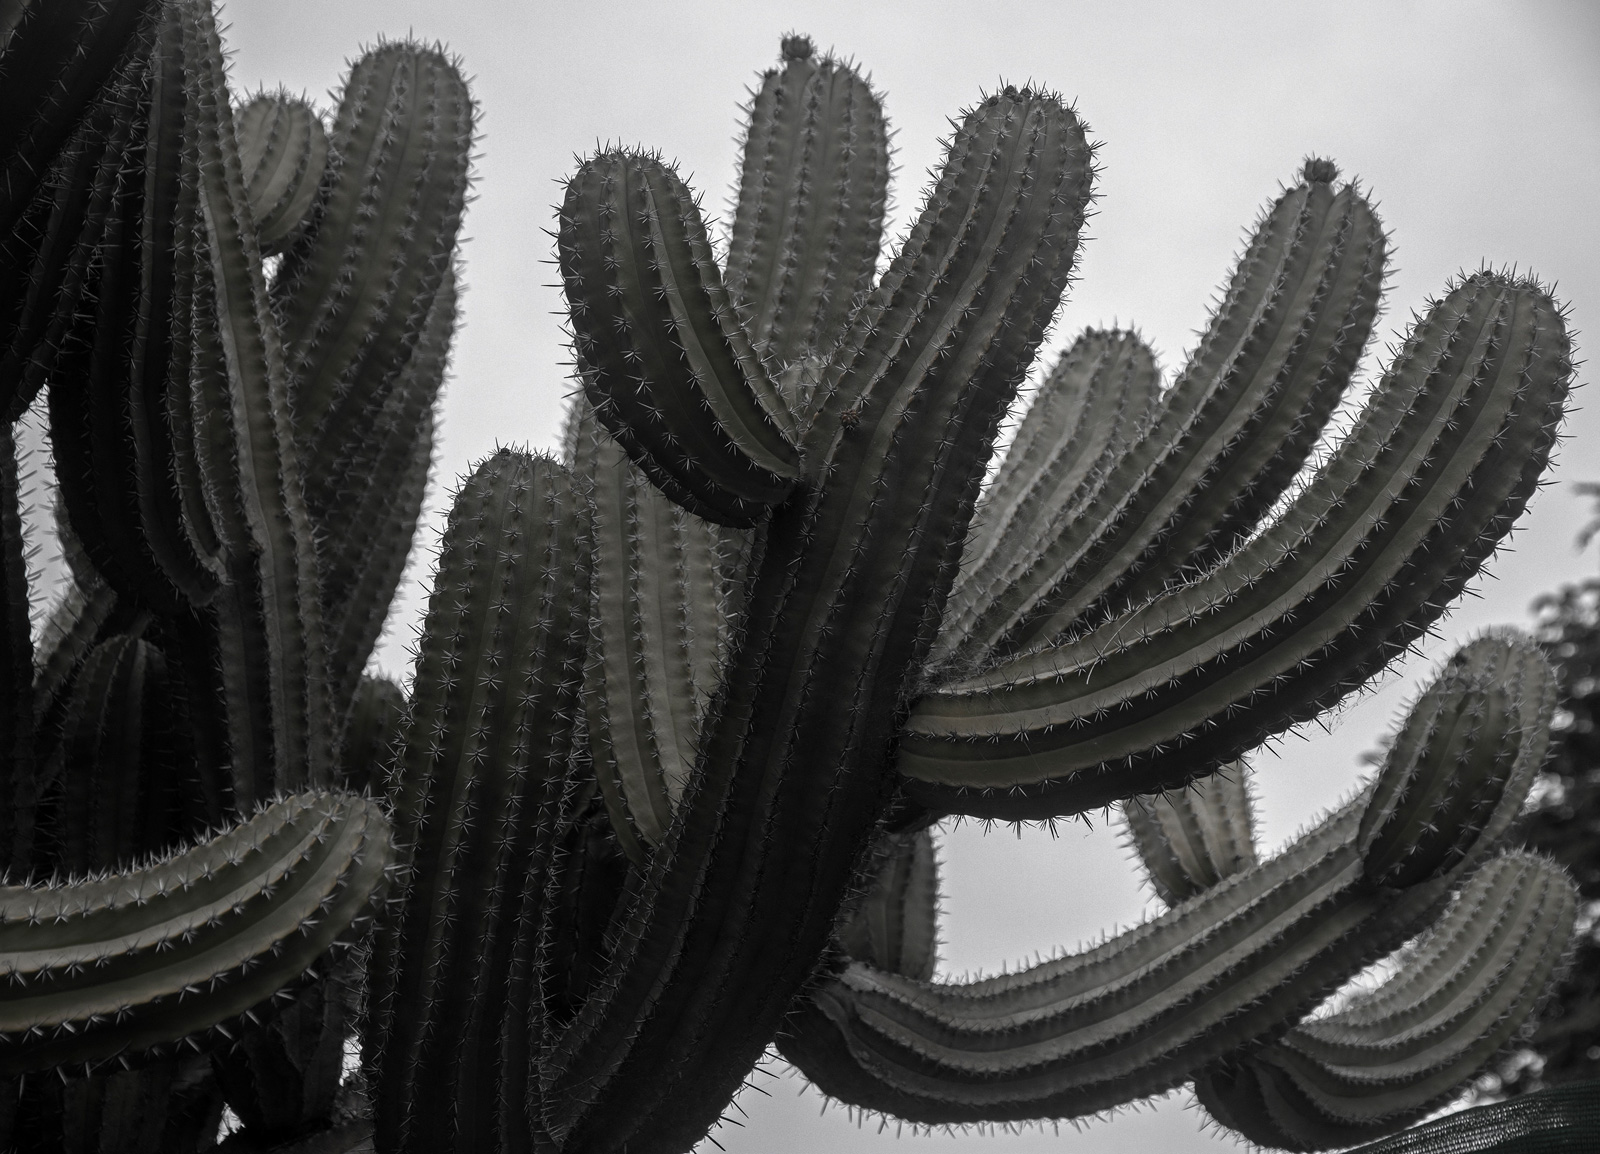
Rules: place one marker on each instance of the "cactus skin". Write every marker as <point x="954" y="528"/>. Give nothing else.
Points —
<point x="1229" y="435"/>
<point x="664" y="360"/>
<point x="1442" y="460"/>
<point x="480" y="774"/>
<point x="1223" y="969"/>
<point x="588" y="955"/>
<point x="654" y="644"/>
<point x="677" y="1042"/>
<point x="809" y="220"/>
<point x="141" y="961"/>
<point x="283" y="150"/>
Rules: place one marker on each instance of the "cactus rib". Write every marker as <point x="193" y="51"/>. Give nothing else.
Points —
<point x="479" y="778"/>
<point x="663" y="356"/>
<point x="812" y="192"/>
<point x="123" y="964"/>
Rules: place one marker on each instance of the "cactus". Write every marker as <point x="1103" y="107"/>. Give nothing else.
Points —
<point x="687" y="703"/>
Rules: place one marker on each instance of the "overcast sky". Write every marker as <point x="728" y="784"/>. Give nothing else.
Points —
<point x="1476" y="126"/>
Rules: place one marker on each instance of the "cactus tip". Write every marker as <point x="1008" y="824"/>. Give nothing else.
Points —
<point x="1321" y="170"/>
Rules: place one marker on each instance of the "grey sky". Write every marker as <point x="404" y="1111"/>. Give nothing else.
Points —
<point x="1476" y="125"/>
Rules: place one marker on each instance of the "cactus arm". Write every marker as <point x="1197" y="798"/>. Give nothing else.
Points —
<point x="479" y="775"/>
<point x="1084" y="418"/>
<point x="47" y="254"/>
<point x="283" y="150"/>
<point x="1222" y="970"/>
<point x="281" y="584"/>
<point x="809" y="220"/>
<point x="1404" y="1049"/>
<point x="353" y="294"/>
<point x="653" y="648"/>
<point x="174" y="951"/>
<point x="55" y="58"/>
<point x="655" y="1053"/>
<point x="16" y="657"/>
<point x="664" y="357"/>
<point x="896" y="925"/>
<point x="1190" y="839"/>
<point x="123" y="778"/>
<point x="1229" y="436"/>
<point x="376" y="715"/>
<point x="1442" y="460"/>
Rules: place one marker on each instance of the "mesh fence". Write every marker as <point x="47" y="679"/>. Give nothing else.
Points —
<point x="1562" y="1120"/>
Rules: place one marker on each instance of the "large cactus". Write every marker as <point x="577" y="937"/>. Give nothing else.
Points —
<point x="687" y="704"/>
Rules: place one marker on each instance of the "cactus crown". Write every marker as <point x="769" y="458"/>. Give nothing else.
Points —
<point x="688" y="701"/>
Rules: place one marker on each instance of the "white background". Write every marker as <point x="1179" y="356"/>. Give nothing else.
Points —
<point x="1475" y="125"/>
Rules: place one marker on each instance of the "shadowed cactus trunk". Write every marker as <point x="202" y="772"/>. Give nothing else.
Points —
<point x="688" y="702"/>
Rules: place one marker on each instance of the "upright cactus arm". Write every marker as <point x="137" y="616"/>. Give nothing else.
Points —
<point x="895" y="925"/>
<point x="809" y="219"/>
<point x="716" y="941"/>
<point x="664" y="357"/>
<point x="1218" y="972"/>
<point x="1229" y="436"/>
<point x="1394" y="1055"/>
<point x="271" y="634"/>
<point x="367" y="298"/>
<point x="653" y="654"/>
<point x="55" y="57"/>
<point x="1368" y="554"/>
<point x="480" y="778"/>
<point x="1561" y="1120"/>
<point x="176" y="950"/>
<point x="1190" y="839"/>
<point x="46" y="253"/>
<point x="1084" y="418"/>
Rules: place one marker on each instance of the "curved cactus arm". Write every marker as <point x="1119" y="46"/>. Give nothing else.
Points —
<point x="809" y="219"/>
<point x="1190" y="839"/>
<point x="1219" y="972"/>
<point x="653" y="651"/>
<point x="664" y="357"/>
<point x="1228" y="438"/>
<point x="687" y="1007"/>
<point x="1437" y="468"/>
<point x="1085" y="416"/>
<point x="1404" y="1049"/>
<point x="895" y="924"/>
<point x="382" y="482"/>
<point x="55" y="57"/>
<point x="283" y="150"/>
<point x="173" y="952"/>
<point x="479" y="777"/>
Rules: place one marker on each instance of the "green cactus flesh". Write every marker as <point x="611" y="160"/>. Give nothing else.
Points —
<point x="686" y="707"/>
<point x="1219" y="972"/>
<point x="116" y="965"/>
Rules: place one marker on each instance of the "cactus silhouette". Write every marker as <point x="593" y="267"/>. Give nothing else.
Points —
<point x="688" y="702"/>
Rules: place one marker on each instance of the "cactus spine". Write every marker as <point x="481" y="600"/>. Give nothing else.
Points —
<point x="686" y="705"/>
